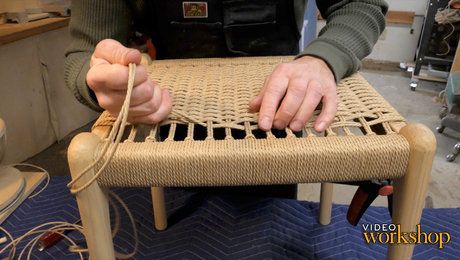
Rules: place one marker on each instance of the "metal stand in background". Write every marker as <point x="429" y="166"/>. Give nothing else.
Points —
<point x="450" y="112"/>
<point x="422" y="55"/>
<point x="452" y="121"/>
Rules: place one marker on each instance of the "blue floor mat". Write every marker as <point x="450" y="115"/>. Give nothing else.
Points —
<point x="222" y="227"/>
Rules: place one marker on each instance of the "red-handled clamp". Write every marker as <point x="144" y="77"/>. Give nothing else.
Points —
<point x="367" y="192"/>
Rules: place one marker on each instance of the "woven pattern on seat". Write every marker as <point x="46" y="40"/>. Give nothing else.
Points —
<point x="211" y="138"/>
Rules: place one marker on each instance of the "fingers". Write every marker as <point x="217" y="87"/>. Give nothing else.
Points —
<point x="108" y="78"/>
<point x="115" y="53"/>
<point x="298" y="104"/>
<point x="145" y="99"/>
<point x="153" y="111"/>
<point x="163" y="111"/>
<point x="148" y="107"/>
<point x="141" y="94"/>
<point x="300" y="86"/>
<point x="113" y="77"/>
<point x="274" y="93"/>
<point x="328" y="112"/>
<point x="291" y="102"/>
<point x="254" y="104"/>
<point x="96" y="61"/>
<point x="312" y="98"/>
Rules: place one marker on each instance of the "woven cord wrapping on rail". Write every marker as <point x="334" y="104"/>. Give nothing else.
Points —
<point x="210" y="103"/>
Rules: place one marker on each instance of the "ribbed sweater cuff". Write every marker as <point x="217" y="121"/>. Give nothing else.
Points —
<point x="338" y="61"/>
<point x="86" y="93"/>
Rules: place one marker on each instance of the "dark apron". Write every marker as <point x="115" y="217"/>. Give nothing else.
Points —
<point x="222" y="28"/>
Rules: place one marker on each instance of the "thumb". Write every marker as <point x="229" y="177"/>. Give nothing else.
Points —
<point x="115" y="53"/>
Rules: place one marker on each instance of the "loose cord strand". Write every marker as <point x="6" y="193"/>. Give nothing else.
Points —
<point x="39" y="168"/>
<point x="111" y="146"/>
<point x="59" y="227"/>
<point x="56" y="226"/>
<point x="13" y="250"/>
<point x="133" y="224"/>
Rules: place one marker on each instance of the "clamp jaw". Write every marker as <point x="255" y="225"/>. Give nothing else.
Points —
<point x="366" y="193"/>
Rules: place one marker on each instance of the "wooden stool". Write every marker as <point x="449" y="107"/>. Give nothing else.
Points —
<point x="367" y="140"/>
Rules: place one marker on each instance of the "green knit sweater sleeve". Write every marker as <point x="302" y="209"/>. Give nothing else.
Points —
<point x="91" y="22"/>
<point x="352" y="29"/>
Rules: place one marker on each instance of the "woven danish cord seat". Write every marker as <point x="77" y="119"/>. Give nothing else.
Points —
<point x="211" y="139"/>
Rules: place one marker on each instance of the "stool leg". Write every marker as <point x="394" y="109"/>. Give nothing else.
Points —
<point x="159" y="209"/>
<point x="325" y="203"/>
<point x="410" y="191"/>
<point x="92" y="201"/>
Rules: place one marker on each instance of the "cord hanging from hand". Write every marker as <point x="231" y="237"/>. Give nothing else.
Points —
<point x="112" y="141"/>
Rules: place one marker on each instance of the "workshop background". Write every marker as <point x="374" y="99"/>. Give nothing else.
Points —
<point x="410" y="66"/>
<point x="40" y="111"/>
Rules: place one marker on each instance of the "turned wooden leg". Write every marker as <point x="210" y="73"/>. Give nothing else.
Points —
<point x="410" y="191"/>
<point x="325" y="203"/>
<point x="159" y="209"/>
<point x="92" y="201"/>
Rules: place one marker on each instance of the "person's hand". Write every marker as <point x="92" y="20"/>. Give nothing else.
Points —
<point x="293" y="91"/>
<point x="108" y="78"/>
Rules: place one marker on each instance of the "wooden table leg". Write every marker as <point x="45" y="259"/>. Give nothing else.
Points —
<point x="410" y="191"/>
<point x="159" y="209"/>
<point x="92" y="201"/>
<point x="325" y="203"/>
